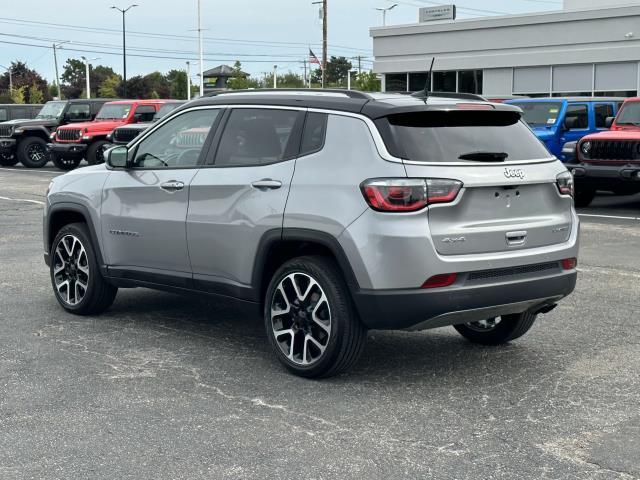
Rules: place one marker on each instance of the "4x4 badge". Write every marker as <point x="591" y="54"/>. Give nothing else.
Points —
<point x="514" y="173"/>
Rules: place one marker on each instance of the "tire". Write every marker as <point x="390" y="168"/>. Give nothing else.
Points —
<point x="73" y="243"/>
<point x="7" y="160"/>
<point x="95" y="155"/>
<point x="584" y="196"/>
<point x="338" y="335"/>
<point x="32" y="152"/>
<point x="505" y="329"/>
<point x="65" y="164"/>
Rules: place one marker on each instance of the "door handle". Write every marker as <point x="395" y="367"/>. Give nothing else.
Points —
<point x="172" y="186"/>
<point x="267" y="184"/>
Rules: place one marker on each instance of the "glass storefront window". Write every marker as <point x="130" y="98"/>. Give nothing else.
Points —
<point x="444" y="81"/>
<point x="417" y="81"/>
<point x="396" y="82"/>
<point x="470" y="81"/>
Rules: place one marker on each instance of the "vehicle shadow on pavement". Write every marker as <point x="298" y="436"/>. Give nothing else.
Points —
<point x="219" y="325"/>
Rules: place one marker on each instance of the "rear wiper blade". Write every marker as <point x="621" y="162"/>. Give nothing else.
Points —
<point x="485" y="156"/>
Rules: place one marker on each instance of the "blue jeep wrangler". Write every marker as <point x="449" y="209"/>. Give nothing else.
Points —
<point x="559" y="120"/>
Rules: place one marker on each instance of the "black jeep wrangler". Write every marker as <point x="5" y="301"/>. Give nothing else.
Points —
<point x="25" y="141"/>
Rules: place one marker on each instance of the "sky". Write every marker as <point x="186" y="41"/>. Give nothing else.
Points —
<point x="161" y="33"/>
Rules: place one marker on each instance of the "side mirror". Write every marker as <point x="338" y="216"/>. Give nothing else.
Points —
<point x="570" y="123"/>
<point x="117" y="157"/>
<point x="609" y="122"/>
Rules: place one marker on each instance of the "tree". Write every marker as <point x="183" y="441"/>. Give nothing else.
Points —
<point x="34" y="94"/>
<point x="290" y="80"/>
<point x="240" y="80"/>
<point x="368" y="82"/>
<point x="177" y="83"/>
<point x="109" y="87"/>
<point x="53" y="91"/>
<point x="17" y="95"/>
<point x="23" y="76"/>
<point x="74" y="77"/>
<point x="337" y="71"/>
<point x="143" y="87"/>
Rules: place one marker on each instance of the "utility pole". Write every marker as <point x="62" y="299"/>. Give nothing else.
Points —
<point x="359" y="64"/>
<point x="275" y="76"/>
<point x="200" y="49"/>
<point x="188" y="80"/>
<point x="124" y="47"/>
<point x="55" y="62"/>
<point x="324" y="42"/>
<point x="307" y="83"/>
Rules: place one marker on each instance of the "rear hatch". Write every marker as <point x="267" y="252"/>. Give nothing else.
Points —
<point x="509" y="199"/>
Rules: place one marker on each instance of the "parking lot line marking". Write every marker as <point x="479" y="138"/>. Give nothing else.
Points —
<point x="607" y="216"/>
<point x="24" y="170"/>
<point x="37" y="202"/>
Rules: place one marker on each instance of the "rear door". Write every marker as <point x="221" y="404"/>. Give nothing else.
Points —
<point x="506" y="203"/>
<point x="241" y="195"/>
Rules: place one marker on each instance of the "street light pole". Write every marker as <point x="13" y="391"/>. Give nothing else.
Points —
<point x="384" y="13"/>
<point x="200" y="54"/>
<point x="124" y="47"/>
<point x="324" y="42"/>
<point x="86" y="65"/>
<point x="188" y="80"/>
<point x="275" y="76"/>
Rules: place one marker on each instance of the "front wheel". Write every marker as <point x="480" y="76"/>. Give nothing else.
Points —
<point x="32" y="152"/>
<point x="65" y="163"/>
<point x="498" y="330"/>
<point x="8" y="160"/>
<point x="95" y="153"/>
<point x="310" y="320"/>
<point x="77" y="282"/>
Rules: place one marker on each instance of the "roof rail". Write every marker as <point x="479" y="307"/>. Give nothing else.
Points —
<point x="309" y="91"/>
<point x="460" y="96"/>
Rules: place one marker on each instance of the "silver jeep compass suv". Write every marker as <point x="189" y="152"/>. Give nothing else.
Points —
<point x="333" y="212"/>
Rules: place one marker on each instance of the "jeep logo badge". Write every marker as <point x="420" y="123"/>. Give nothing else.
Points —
<point x="514" y="173"/>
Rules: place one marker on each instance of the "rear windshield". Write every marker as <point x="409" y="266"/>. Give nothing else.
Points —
<point x="630" y="114"/>
<point x="539" y="114"/>
<point x="474" y="136"/>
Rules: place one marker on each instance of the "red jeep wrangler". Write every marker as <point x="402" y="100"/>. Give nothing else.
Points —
<point x="609" y="160"/>
<point x="71" y="143"/>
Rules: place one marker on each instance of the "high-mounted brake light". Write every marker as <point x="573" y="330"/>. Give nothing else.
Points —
<point x="408" y="194"/>
<point x="474" y="106"/>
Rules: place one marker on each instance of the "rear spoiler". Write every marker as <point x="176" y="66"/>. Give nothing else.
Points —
<point x="375" y="111"/>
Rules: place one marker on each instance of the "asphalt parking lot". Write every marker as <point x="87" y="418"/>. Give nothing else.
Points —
<point x="163" y="386"/>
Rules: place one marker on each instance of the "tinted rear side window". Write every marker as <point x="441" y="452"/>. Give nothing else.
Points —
<point x="445" y="136"/>
<point x="3" y="115"/>
<point x="256" y="137"/>
<point x="315" y="129"/>
<point x="602" y="111"/>
<point x="539" y="114"/>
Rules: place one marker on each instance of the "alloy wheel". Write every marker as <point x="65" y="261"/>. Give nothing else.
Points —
<point x="71" y="270"/>
<point x="36" y="152"/>
<point x="301" y="318"/>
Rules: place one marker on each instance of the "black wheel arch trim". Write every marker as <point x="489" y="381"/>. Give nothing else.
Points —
<point x="327" y="240"/>
<point x="57" y="208"/>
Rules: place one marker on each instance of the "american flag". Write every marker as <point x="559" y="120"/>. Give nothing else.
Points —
<point x="313" y="58"/>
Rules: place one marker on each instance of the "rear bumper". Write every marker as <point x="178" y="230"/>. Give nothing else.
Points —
<point x="606" y="177"/>
<point x="7" y="145"/>
<point x="68" y="150"/>
<point x="424" y="309"/>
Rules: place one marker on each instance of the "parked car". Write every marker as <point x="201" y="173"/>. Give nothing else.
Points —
<point x="71" y="143"/>
<point x="330" y="213"/>
<point x="25" y="141"/>
<point x="124" y="134"/>
<point x="557" y="121"/>
<point x="610" y="161"/>
<point x="15" y="111"/>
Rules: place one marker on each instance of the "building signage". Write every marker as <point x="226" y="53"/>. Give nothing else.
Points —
<point x="441" y="12"/>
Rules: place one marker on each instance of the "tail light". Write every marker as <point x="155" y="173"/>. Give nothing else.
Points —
<point x="569" y="263"/>
<point x="438" y="281"/>
<point x="565" y="184"/>
<point x="408" y="194"/>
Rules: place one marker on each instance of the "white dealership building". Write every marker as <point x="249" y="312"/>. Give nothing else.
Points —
<point x="590" y="47"/>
